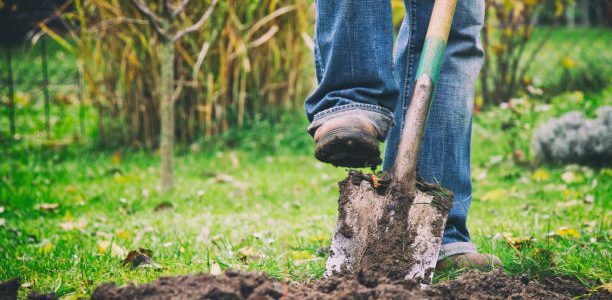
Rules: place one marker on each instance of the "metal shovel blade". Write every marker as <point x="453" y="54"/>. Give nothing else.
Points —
<point x="393" y="236"/>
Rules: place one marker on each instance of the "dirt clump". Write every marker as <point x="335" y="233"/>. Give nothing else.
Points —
<point x="9" y="289"/>
<point x="229" y="285"/>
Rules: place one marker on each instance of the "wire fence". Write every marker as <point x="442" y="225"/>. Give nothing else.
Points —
<point x="42" y="94"/>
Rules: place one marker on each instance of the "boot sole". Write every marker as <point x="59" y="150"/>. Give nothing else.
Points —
<point x="348" y="148"/>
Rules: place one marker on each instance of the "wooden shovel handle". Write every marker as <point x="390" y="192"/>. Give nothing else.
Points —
<point x="404" y="167"/>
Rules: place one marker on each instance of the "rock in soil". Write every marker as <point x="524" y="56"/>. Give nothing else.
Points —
<point x="257" y="285"/>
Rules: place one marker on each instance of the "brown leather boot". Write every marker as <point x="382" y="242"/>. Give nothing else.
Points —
<point x="349" y="142"/>
<point x="474" y="260"/>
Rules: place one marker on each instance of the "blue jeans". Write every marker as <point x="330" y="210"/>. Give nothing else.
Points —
<point x="358" y="74"/>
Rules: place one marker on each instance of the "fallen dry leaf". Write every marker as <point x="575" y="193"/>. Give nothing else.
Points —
<point x="568" y="204"/>
<point x="141" y="258"/>
<point x="2" y="221"/>
<point x="494" y="195"/>
<point x="72" y="225"/>
<point x="164" y="206"/>
<point x="115" y="250"/>
<point x="517" y="242"/>
<point x="226" y="178"/>
<point x="1" y="209"/>
<point x="571" y="177"/>
<point x="606" y="287"/>
<point x="47" y="206"/>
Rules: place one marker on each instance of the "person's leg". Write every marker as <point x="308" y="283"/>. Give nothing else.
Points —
<point x="445" y="151"/>
<point x="356" y="91"/>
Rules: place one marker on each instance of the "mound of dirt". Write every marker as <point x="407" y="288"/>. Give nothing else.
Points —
<point x="257" y="285"/>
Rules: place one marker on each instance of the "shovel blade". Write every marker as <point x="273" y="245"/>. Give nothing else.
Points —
<point x="356" y="227"/>
<point x="426" y="222"/>
<point x="377" y="232"/>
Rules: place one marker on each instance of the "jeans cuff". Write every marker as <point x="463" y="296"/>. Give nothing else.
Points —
<point x="451" y="249"/>
<point x="380" y="117"/>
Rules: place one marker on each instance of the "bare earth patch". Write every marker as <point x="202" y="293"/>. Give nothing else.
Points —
<point x="257" y="285"/>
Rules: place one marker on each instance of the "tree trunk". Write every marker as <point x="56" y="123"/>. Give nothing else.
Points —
<point x="166" y="88"/>
<point x="585" y="12"/>
<point x="570" y="14"/>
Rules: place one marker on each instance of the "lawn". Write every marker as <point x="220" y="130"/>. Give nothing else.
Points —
<point x="256" y="199"/>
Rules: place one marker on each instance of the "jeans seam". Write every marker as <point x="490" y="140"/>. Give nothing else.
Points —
<point x="316" y="52"/>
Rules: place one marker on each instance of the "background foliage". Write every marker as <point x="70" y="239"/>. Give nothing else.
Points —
<point x="250" y="56"/>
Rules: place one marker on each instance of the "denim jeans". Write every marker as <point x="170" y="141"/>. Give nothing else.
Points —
<point x="357" y="73"/>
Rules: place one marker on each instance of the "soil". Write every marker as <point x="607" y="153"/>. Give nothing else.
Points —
<point x="257" y="285"/>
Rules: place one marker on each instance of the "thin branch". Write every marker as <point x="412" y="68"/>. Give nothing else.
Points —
<point x="178" y="90"/>
<point x="102" y="25"/>
<point x="273" y="15"/>
<point x="264" y="38"/>
<point x="180" y="9"/>
<point x="198" y="24"/>
<point x="198" y="64"/>
<point x="536" y="49"/>
<point x="242" y="48"/>
<point x="153" y="18"/>
<point x="308" y="41"/>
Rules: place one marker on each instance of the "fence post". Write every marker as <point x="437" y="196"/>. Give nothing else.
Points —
<point x="43" y="54"/>
<point x="11" y="87"/>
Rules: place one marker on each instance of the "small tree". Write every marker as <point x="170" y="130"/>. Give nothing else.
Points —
<point x="169" y="30"/>
<point x="507" y="30"/>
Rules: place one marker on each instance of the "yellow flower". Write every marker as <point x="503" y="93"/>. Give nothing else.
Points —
<point x="47" y="247"/>
<point x="568" y="232"/>
<point x="122" y="234"/>
<point x="541" y="175"/>
<point x="299" y="255"/>
<point x="568" y="63"/>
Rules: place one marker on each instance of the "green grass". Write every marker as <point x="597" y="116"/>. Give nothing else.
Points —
<point x="275" y="212"/>
<point x="571" y="59"/>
